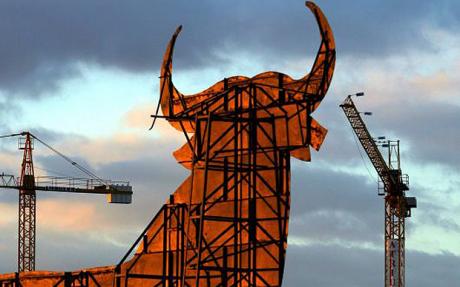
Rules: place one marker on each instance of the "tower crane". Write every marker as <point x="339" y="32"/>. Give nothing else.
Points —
<point x="392" y="185"/>
<point x="27" y="185"/>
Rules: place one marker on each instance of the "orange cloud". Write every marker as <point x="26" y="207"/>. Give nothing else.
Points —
<point x="64" y="215"/>
<point x="10" y="162"/>
<point x="441" y="85"/>
<point x="133" y="140"/>
<point x="139" y="117"/>
<point x="76" y="216"/>
<point x="9" y="215"/>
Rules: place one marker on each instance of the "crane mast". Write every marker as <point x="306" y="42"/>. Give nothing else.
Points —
<point x="393" y="186"/>
<point x="27" y="185"/>
<point x="27" y="209"/>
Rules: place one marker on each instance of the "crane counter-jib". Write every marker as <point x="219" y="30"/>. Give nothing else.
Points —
<point x="116" y="191"/>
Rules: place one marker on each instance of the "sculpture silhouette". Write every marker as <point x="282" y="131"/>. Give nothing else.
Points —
<point x="227" y="223"/>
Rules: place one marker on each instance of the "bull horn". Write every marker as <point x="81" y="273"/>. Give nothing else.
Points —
<point x="171" y="100"/>
<point x="323" y="68"/>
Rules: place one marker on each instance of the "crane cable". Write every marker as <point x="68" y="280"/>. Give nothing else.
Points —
<point x="355" y="137"/>
<point x="66" y="158"/>
<point x="11" y="135"/>
<point x="51" y="171"/>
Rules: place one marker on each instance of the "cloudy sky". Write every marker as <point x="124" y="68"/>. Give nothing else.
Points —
<point x="83" y="75"/>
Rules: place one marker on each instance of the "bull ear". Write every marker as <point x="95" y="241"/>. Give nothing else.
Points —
<point x="317" y="136"/>
<point x="302" y="153"/>
<point x="323" y="68"/>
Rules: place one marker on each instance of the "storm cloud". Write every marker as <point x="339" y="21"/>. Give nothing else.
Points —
<point x="395" y="51"/>
<point x="44" y="42"/>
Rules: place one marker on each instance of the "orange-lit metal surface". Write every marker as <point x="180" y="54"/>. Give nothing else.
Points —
<point x="227" y="223"/>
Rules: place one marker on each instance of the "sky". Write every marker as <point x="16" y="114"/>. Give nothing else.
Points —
<point x="83" y="76"/>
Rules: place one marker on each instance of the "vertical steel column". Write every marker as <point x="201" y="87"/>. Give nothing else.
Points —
<point x="402" y="251"/>
<point x="202" y="207"/>
<point x="394" y="244"/>
<point x="17" y="282"/>
<point x="27" y="210"/>
<point x="236" y="198"/>
<point x="252" y="194"/>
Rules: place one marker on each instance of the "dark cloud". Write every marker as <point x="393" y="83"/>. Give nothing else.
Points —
<point x="323" y="265"/>
<point x="9" y="196"/>
<point x="8" y="247"/>
<point x="426" y="127"/>
<point x="430" y="270"/>
<point x="70" y="250"/>
<point x="331" y="205"/>
<point x="431" y="129"/>
<point x="75" y="252"/>
<point x="425" y="123"/>
<point x="431" y="213"/>
<point x="8" y="111"/>
<point x="42" y="42"/>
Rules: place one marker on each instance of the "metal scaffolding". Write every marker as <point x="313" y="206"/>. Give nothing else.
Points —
<point x="227" y="224"/>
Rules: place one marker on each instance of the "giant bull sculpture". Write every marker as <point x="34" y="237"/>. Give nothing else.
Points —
<point x="227" y="223"/>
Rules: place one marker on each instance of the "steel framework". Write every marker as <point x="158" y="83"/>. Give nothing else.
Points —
<point x="393" y="186"/>
<point x="227" y="224"/>
<point x="14" y="281"/>
<point x="27" y="210"/>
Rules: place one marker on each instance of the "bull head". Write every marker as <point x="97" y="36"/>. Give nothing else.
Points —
<point x="281" y="94"/>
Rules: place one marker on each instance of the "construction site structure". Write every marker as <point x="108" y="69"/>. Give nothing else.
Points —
<point x="28" y="184"/>
<point x="227" y="224"/>
<point x="393" y="185"/>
